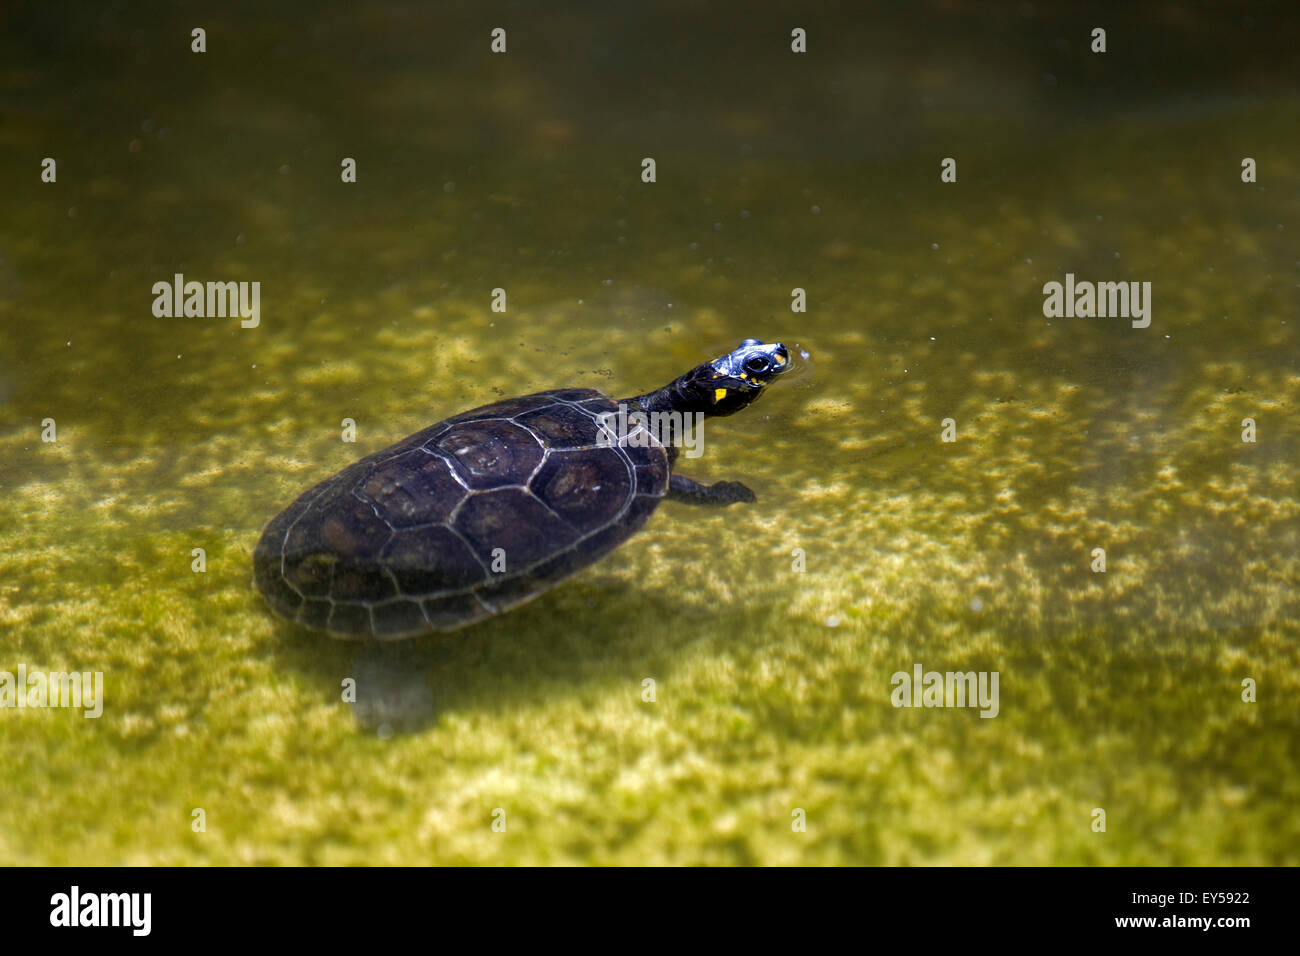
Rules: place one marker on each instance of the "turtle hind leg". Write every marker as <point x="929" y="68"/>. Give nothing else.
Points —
<point x="722" y="493"/>
<point x="392" y="696"/>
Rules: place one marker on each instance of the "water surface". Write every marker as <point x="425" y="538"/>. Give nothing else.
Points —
<point x="1119" y="691"/>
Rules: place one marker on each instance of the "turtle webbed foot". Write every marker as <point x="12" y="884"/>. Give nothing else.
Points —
<point x="730" y="492"/>
<point x="722" y="493"/>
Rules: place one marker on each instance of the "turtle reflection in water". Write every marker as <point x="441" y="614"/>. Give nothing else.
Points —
<point x="481" y="512"/>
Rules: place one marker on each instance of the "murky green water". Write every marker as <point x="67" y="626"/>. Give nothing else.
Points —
<point x="1119" y="690"/>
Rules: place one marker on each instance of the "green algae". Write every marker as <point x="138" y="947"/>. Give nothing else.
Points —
<point x="1119" y="690"/>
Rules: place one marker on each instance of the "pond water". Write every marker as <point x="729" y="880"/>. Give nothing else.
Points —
<point x="772" y="631"/>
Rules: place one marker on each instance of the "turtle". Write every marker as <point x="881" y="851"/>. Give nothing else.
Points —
<point x="485" y="510"/>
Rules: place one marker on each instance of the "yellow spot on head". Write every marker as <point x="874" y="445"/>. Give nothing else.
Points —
<point x="719" y="394"/>
<point x="779" y="360"/>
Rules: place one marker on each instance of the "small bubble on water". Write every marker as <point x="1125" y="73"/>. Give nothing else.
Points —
<point x="832" y="621"/>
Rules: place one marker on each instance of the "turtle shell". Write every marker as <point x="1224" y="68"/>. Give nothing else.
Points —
<point x="467" y="518"/>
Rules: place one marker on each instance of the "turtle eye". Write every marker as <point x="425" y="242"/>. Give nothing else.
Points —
<point x="756" y="364"/>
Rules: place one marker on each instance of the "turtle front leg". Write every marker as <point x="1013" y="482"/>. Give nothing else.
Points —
<point x="722" y="493"/>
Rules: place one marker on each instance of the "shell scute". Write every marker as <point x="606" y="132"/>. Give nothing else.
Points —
<point x="515" y="522"/>
<point x="398" y="618"/>
<point x="491" y="453"/>
<point x="426" y="561"/>
<point x="560" y="426"/>
<point x="453" y="610"/>
<point x="587" y="489"/>
<point x="412" y="488"/>
<point x="349" y="618"/>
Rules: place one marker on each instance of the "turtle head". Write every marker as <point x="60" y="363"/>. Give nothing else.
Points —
<point x="733" y="381"/>
<point x="722" y="386"/>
